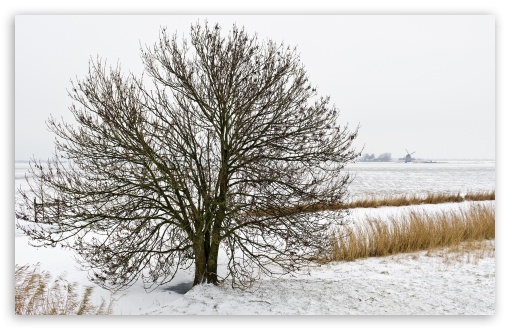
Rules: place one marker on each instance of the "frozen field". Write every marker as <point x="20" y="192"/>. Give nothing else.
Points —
<point x="400" y="178"/>
<point x="411" y="284"/>
<point x="421" y="178"/>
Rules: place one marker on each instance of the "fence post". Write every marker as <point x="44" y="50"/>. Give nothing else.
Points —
<point x="35" y="209"/>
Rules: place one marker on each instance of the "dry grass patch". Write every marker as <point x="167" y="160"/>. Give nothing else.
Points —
<point x="36" y="293"/>
<point x="381" y="201"/>
<point x="430" y="198"/>
<point x="467" y="252"/>
<point x="480" y="196"/>
<point x="413" y="231"/>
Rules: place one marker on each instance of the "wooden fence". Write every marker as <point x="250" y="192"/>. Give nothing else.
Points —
<point x="39" y="209"/>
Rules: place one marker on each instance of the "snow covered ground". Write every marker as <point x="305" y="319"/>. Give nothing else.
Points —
<point x="409" y="284"/>
<point x="379" y="179"/>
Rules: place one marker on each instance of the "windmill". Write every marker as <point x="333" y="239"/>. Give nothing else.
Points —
<point x="408" y="158"/>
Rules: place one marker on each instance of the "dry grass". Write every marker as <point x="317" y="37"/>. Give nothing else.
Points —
<point x="36" y="293"/>
<point x="413" y="231"/>
<point x="467" y="252"/>
<point x="406" y="200"/>
<point x="381" y="201"/>
<point x="480" y="196"/>
<point x="431" y="198"/>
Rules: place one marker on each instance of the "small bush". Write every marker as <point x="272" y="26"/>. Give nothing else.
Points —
<point x="36" y="293"/>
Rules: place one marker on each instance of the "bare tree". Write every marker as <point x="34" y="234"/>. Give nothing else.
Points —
<point x="228" y="148"/>
<point x="384" y="157"/>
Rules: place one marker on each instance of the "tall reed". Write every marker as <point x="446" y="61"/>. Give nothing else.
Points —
<point x="36" y="293"/>
<point x="413" y="231"/>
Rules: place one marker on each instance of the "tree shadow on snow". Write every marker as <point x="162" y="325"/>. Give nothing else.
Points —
<point x="180" y="288"/>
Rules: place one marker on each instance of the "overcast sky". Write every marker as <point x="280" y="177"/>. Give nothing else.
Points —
<point x="422" y="83"/>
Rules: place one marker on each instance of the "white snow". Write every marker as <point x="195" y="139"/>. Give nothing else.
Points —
<point x="380" y="179"/>
<point x="407" y="284"/>
<point x="410" y="284"/>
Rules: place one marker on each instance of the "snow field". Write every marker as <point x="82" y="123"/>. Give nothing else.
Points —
<point x="410" y="284"/>
<point x="418" y="283"/>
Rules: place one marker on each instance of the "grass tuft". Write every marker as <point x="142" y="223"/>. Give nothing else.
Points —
<point x="36" y="293"/>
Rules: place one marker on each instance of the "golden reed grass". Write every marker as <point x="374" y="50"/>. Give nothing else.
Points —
<point x="413" y="231"/>
<point x="36" y="293"/>
<point x="390" y="200"/>
<point x="430" y="198"/>
<point x="480" y="196"/>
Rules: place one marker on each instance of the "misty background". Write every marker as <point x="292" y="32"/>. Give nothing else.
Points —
<point x="425" y="83"/>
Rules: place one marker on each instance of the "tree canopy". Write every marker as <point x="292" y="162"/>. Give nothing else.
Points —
<point x="223" y="143"/>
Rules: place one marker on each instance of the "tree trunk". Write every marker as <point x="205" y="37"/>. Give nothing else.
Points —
<point x="206" y="261"/>
<point x="207" y="244"/>
<point x="200" y="261"/>
<point x="212" y="263"/>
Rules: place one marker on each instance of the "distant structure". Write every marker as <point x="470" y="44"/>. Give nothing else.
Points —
<point x="408" y="158"/>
